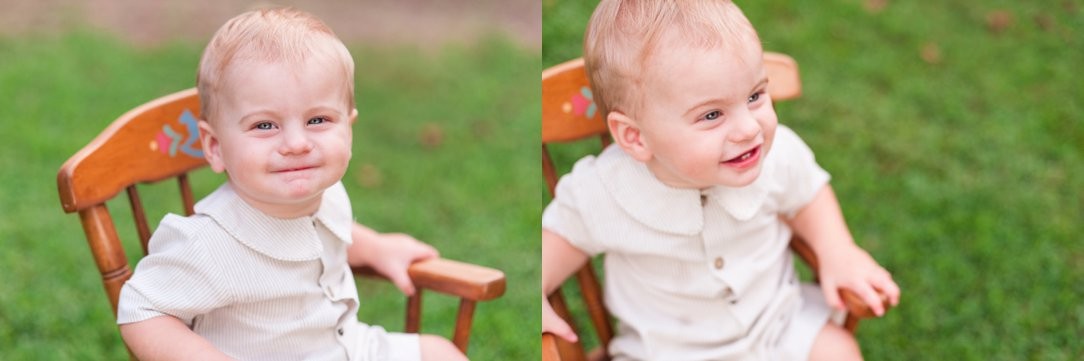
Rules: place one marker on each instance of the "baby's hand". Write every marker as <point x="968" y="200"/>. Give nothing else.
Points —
<point x="390" y="254"/>
<point x="850" y="267"/>
<point x="396" y="252"/>
<point x="554" y="324"/>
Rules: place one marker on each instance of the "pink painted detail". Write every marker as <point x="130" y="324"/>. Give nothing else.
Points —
<point x="163" y="141"/>
<point x="580" y="104"/>
<point x="583" y="103"/>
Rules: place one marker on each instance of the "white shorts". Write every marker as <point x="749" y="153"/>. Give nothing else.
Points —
<point x="797" y="340"/>
<point x="375" y="344"/>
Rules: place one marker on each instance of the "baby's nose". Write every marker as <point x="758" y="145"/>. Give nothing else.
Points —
<point x="294" y="142"/>
<point x="745" y="128"/>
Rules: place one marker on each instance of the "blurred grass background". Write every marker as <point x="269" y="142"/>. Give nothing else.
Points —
<point x="954" y="133"/>
<point x="439" y="153"/>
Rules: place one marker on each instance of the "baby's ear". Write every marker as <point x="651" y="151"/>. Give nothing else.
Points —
<point x="626" y="134"/>
<point x="212" y="150"/>
<point x="353" y="116"/>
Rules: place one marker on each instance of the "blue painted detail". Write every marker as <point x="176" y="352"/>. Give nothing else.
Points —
<point x="586" y="93"/>
<point x="173" y="139"/>
<point x="190" y="122"/>
<point x="591" y="109"/>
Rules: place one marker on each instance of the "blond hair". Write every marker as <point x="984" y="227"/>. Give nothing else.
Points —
<point x="276" y="35"/>
<point x="622" y="35"/>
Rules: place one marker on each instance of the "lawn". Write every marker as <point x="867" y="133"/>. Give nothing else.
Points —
<point x="955" y="135"/>
<point x="440" y="152"/>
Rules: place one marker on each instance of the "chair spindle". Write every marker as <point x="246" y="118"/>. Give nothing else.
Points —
<point x="186" y="194"/>
<point x="140" y="217"/>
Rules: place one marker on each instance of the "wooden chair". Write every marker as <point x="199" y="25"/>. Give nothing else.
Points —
<point x="569" y="115"/>
<point x="160" y="140"/>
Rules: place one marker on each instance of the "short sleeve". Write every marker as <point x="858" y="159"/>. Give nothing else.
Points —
<point x="177" y="278"/>
<point x="562" y="216"/>
<point x="800" y="174"/>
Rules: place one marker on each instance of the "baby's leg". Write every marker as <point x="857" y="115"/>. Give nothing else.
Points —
<point x="436" y="348"/>
<point x="834" y="343"/>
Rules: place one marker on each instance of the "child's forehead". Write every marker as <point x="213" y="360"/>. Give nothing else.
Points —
<point x="687" y="77"/>
<point x="247" y="82"/>
<point x="672" y="55"/>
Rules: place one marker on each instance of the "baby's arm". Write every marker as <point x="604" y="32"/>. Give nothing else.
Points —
<point x="167" y="338"/>
<point x="842" y="263"/>
<point x="559" y="260"/>
<point x="390" y="254"/>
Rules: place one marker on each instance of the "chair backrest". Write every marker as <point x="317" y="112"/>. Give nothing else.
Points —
<point x="153" y="142"/>
<point x="569" y="114"/>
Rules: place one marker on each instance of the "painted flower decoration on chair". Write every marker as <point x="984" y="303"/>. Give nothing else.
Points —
<point x="582" y="104"/>
<point x="169" y="141"/>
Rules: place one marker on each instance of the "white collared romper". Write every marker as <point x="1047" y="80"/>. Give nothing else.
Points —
<point x="259" y="287"/>
<point x="696" y="274"/>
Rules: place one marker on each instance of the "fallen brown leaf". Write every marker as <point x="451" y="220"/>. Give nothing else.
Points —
<point x="999" y="20"/>
<point x="931" y="53"/>
<point x="432" y="135"/>
<point x="369" y="176"/>
<point x="875" y="6"/>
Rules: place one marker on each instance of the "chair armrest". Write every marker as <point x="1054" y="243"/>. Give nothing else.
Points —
<point x="549" y="348"/>
<point x="855" y="306"/>
<point x="472" y="282"/>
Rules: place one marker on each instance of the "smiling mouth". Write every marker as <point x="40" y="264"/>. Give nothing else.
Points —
<point x="745" y="156"/>
<point x="287" y="170"/>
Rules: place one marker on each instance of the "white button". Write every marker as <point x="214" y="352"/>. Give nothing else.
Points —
<point x="719" y="263"/>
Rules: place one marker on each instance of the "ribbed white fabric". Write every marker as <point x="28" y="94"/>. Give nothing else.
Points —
<point x="692" y="278"/>
<point x="259" y="287"/>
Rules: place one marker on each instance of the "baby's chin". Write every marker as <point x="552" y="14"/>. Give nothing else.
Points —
<point x="748" y="177"/>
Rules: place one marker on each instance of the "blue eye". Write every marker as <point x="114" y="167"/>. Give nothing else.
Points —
<point x="713" y="115"/>
<point x="753" y="98"/>
<point x="317" y="120"/>
<point x="264" y="126"/>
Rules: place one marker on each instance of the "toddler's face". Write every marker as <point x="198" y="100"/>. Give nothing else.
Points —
<point x="282" y="134"/>
<point x="706" y="115"/>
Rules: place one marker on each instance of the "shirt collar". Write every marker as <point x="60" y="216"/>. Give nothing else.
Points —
<point x="292" y="239"/>
<point x="674" y="210"/>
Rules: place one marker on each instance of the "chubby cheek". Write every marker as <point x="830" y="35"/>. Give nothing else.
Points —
<point x="349" y="144"/>
<point x="338" y="148"/>
<point x="232" y="164"/>
<point x="768" y="123"/>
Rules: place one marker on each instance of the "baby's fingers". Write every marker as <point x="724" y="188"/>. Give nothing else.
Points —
<point x="871" y="298"/>
<point x="889" y="289"/>
<point x="831" y="295"/>
<point x="402" y="281"/>
<point x="554" y="324"/>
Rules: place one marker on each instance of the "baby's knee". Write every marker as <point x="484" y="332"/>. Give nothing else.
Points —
<point x="439" y="348"/>
<point x="835" y="343"/>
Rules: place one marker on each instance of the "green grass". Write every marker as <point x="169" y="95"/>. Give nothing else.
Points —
<point x="439" y="153"/>
<point x="960" y="172"/>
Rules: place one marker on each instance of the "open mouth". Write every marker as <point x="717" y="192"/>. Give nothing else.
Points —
<point x="745" y="158"/>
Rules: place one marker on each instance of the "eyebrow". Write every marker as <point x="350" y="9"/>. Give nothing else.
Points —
<point x="319" y="109"/>
<point x="258" y="113"/>
<point x="763" y="81"/>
